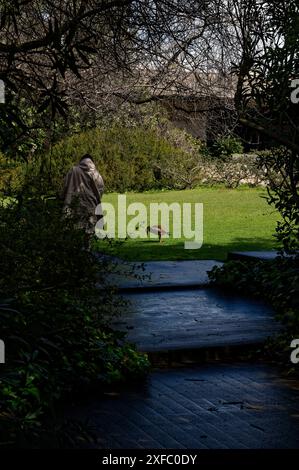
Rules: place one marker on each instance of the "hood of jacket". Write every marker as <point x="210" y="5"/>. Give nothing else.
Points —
<point x="87" y="165"/>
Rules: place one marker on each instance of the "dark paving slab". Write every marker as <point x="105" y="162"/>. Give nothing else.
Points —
<point x="163" y="274"/>
<point x="262" y="255"/>
<point x="219" y="406"/>
<point x="192" y="319"/>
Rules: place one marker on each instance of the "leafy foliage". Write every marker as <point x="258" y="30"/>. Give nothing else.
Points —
<point x="226" y="146"/>
<point x="142" y="158"/>
<point x="268" y="66"/>
<point x="127" y="157"/>
<point x="276" y="281"/>
<point x="281" y="168"/>
<point x="54" y="321"/>
<point x="11" y="175"/>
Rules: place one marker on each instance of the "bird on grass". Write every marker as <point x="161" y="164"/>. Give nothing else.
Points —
<point x="157" y="230"/>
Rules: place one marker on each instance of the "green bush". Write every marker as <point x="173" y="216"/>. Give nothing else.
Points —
<point x="127" y="158"/>
<point x="54" y="321"/>
<point x="226" y="146"/>
<point x="276" y="282"/>
<point x="139" y="159"/>
<point x="11" y="174"/>
<point x="281" y="168"/>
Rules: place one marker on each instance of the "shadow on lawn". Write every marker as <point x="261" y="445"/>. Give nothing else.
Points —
<point x="146" y="250"/>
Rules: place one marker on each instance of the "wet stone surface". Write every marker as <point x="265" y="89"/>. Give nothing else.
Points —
<point x="213" y="406"/>
<point x="163" y="274"/>
<point x="197" y="318"/>
<point x="254" y="255"/>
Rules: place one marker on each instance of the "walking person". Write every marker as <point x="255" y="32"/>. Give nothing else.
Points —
<point x="82" y="193"/>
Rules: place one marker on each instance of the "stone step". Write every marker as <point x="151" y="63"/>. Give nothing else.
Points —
<point x="203" y="318"/>
<point x="254" y="255"/>
<point x="162" y="274"/>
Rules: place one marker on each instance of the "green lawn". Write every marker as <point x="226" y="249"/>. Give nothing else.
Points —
<point x="234" y="219"/>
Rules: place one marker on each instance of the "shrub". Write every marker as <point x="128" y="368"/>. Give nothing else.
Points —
<point x="55" y="322"/>
<point x="281" y="168"/>
<point x="11" y="175"/>
<point x="127" y="158"/>
<point x="226" y="146"/>
<point x="277" y="282"/>
<point x="139" y="159"/>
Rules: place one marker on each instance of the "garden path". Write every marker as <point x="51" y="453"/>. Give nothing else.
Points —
<point x="216" y="405"/>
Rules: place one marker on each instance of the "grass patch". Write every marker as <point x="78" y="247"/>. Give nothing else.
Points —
<point x="234" y="220"/>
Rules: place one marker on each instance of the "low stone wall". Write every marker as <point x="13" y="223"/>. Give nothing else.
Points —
<point x="238" y="169"/>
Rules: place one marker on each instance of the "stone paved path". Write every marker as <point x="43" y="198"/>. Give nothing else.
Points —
<point x="213" y="406"/>
<point x="164" y="274"/>
<point x="192" y="319"/>
<point x="253" y="255"/>
<point x="171" y="309"/>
